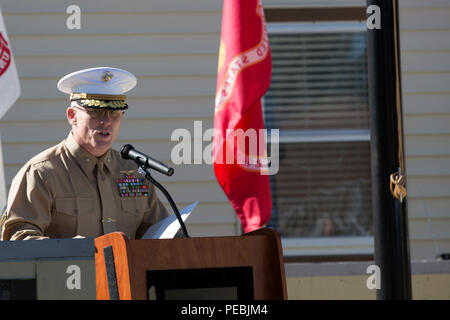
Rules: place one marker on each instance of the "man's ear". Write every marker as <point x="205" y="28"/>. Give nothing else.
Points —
<point x="71" y="116"/>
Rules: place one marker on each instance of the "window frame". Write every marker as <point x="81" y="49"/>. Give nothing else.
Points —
<point x="326" y="247"/>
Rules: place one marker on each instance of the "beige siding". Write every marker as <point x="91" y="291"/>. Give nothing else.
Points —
<point x="111" y="6"/>
<point x="171" y="46"/>
<point x="425" y="56"/>
<point x="424" y="287"/>
<point x="338" y="280"/>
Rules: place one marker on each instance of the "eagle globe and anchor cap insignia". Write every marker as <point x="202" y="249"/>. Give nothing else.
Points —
<point x="5" y="55"/>
<point x="107" y="75"/>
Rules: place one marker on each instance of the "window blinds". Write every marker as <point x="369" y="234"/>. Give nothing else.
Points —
<point x="322" y="189"/>
<point x="319" y="85"/>
<point x="319" y="81"/>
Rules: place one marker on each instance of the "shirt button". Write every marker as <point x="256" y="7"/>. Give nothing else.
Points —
<point x="87" y="159"/>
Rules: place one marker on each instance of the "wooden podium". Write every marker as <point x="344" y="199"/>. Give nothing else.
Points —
<point x="250" y="265"/>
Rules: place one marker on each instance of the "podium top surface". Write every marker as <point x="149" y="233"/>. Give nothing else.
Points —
<point x="48" y="248"/>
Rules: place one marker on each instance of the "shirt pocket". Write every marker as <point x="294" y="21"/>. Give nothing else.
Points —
<point x="135" y="206"/>
<point x="68" y="213"/>
<point x="133" y="213"/>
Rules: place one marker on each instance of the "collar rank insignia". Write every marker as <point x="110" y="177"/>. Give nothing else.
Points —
<point x="130" y="186"/>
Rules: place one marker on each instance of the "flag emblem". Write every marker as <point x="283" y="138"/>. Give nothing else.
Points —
<point x="244" y="74"/>
<point x="5" y="55"/>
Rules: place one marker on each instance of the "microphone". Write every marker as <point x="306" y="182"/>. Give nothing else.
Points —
<point x="127" y="151"/>
<point x="144" y="162"/>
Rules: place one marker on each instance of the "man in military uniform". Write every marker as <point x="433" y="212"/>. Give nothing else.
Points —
<point x="81" y="187"/>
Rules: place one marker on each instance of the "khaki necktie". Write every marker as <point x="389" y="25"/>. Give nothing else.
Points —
<point x="107" y="197"/>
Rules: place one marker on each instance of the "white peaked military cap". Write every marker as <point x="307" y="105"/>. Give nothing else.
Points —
<point x="101" y="87"/>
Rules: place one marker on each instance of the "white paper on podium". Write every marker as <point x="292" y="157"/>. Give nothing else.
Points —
<point x="167" y="228"/>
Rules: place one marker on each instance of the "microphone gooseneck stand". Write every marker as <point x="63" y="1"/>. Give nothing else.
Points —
<point x="146" y="172"/>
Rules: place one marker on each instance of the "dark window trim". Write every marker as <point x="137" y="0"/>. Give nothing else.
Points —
<point x="315" y="14"/>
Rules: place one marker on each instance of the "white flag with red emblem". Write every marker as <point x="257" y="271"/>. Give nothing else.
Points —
<point x="9" y="92"/>
<point x="9" y="80"/>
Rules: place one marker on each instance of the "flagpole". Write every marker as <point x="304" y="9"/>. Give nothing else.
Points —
<point x="2" y="177"/>
<point x="390" y="216"/>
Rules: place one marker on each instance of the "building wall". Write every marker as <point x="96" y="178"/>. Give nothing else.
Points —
<point x="430" y="280"/>
<point x="424" y="287"/>
<point x="171" y="46"/>
<point x="425" y="63"/>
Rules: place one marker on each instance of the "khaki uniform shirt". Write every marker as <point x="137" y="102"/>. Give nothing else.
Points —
<point x="66" y="191"/>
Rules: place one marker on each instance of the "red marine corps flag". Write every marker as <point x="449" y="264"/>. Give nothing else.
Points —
<point x="239" y="144"/>
<point x="9" y="80"/>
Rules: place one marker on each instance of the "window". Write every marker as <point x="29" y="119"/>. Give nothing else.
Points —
<point x="318" y="98"/>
